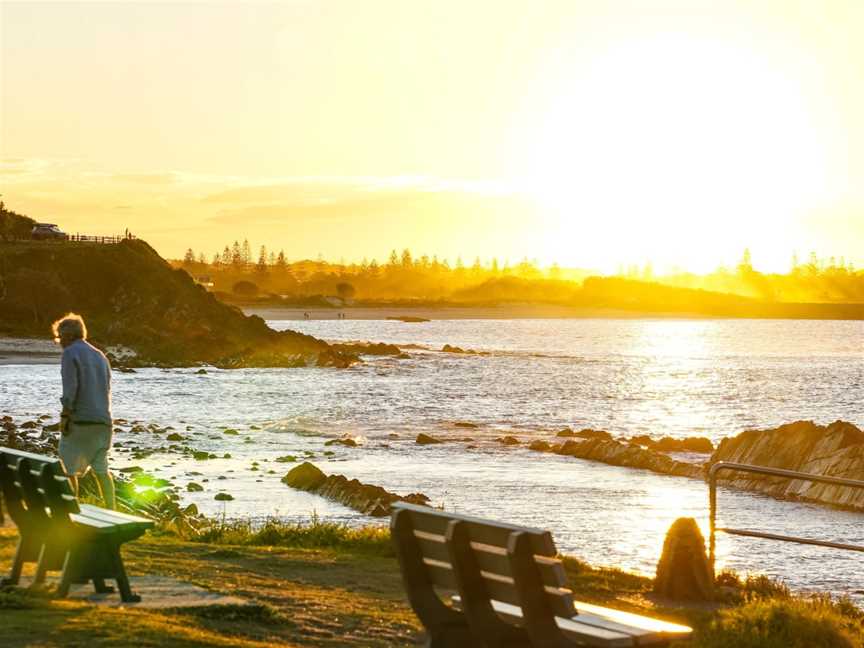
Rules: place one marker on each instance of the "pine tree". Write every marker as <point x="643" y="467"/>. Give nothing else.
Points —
<point x="281" y="263"/>
<point x="236" y="256"/>
<point x="261" y="266"/>
<point x="189" y="258"/>
<point x="246" y="254"/>
<point x="394" y="259"/>
<point x="202" y="260"/>
<point x="407" y="261"/>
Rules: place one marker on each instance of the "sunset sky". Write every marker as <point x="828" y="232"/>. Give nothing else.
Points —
<point x="591" y="133"/>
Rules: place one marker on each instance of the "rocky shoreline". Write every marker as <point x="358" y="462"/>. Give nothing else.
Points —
<point x="365" y="498"/>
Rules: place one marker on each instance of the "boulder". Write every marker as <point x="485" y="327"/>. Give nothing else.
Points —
<point x="508" y="440"/>
<point x="684" y="573"/>
<point x="346" y="441"/>
<point x="616" y="453"/>
<point x="540" y="446"/>
<point x="425" y="439"/>
<point x="566" y="433"/>
<point x="690" y="444"/>
<point x="465" y="424"/>
<point x="836" y="450"/>
<point x="194" y="487"/>
<point x="366" y="498"/>
<point x="224" y="497"/>
<point x="307" y="476"/>
<point x="588" y="433"/>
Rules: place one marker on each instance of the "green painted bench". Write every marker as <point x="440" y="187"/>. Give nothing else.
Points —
<point x="57" y="532"/>
<point x="510" y="588"/>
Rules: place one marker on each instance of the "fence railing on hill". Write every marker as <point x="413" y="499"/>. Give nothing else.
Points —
<point x="85" y="238"/>
<point x="72" y="238"/>
<point x="778" y="472"/>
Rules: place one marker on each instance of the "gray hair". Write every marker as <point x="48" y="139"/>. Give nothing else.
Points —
<point x="69" y="327"/>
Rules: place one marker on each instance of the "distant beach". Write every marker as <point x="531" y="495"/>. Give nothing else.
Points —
<point x="508" y="312"/>
<point x="28" y="351"/>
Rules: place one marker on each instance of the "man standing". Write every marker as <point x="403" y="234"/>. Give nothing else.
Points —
<point x="85" y="423"/>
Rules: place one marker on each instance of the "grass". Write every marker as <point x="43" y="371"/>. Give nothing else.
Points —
<point x="326" y="585"/>
<point x="315" y="534"/>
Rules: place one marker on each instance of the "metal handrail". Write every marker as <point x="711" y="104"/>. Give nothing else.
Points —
<point x="779" y="472"/>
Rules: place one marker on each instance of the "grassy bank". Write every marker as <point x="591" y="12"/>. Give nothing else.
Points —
<point x="326" y="585"/>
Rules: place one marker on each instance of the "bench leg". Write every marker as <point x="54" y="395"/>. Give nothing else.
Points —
<point x="70" y="570"/>
<point x="126" y="594"/>
<point x="17" y="565"/>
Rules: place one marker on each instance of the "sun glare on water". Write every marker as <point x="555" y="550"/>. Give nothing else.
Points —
<point x="672" y="150"/>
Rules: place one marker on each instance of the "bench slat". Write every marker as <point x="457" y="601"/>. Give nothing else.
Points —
<point x="118" y="517"/>
<point x="491" y="559"/>
<point x="434" y="521"/>
<point x="579" y="632"/>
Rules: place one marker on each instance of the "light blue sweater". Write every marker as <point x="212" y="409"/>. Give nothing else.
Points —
<point x="86" y="377"/>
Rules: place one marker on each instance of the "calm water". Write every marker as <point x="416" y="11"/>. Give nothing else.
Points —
<point x="660" y="377"/>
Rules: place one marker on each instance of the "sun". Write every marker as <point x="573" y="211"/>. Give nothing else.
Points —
<point x="671" y="149"/>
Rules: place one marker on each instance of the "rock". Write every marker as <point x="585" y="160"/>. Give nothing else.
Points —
<point x="227" y="455"/>
<point x="194" y="487"/>
<point x="368" y="348"/>
<point x="29" y="425"/>
<point x="366" y="498"/>
<point x="409" y="319"/>
<point x="254" y="427"/>
<point x="392" y="435"/>
<point x="224" y="497"/>
<point x="124" y="369"/>
<point x="448" y="348"/>
<point x="684" y="573"/>
<point x="540" y="446"/>
<point x="616" y="453"/>
<point x="230" y="432"/>
<point x="54" y="427"/>
<point x="836" y="450"/>
<point x="425" y="439"/>
<point x="347" y="442"/>
<point x="200" y="455"/>
<point x="588" y="433"/>
<point x="175" y="437"/>
<point x="466" y="424"/>
<point x="508" y="440"/>
<point x="307" y="476"/>
<point x="286" y="459"/>
<point x="130" y="470"/>
<point x="690" y="444"/>
<point x="565" y="433"/>
<point x="201" y="372"/>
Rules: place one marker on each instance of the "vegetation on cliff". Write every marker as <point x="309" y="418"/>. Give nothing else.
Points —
<point x="131" y="297"/>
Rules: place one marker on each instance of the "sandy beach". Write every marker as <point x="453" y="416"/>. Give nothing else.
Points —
<point x="28" y="351"/>
<point x="509" y="312"/>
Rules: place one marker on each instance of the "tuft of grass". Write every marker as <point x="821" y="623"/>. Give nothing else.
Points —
<point x="785" y="622"/>
<point x="315" y="534"/>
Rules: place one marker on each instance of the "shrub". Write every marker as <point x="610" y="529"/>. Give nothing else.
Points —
<point x="245" y="289"/>
<point x="784" y="623"/>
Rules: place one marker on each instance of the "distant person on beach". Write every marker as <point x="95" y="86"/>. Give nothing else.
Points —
<point x="85" y="422"/>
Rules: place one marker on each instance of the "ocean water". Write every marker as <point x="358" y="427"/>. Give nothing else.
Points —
<point x="711" y="378"/>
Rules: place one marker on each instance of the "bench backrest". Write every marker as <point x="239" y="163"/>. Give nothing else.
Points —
<point x="35" y="489"/>
<point x="483" y="560"/>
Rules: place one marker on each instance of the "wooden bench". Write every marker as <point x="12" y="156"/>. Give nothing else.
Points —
<point x="511" y="587"/>
<point x="58" y="533"/>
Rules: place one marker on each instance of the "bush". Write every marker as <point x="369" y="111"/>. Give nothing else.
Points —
<point x="245" y="289"/>
<point x="785" y="623"/>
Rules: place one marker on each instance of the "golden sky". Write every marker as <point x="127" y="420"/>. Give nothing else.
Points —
<point x="591" y="133"/>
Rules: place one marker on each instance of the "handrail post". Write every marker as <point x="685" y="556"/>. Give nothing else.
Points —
<point x="712" y="520"/>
